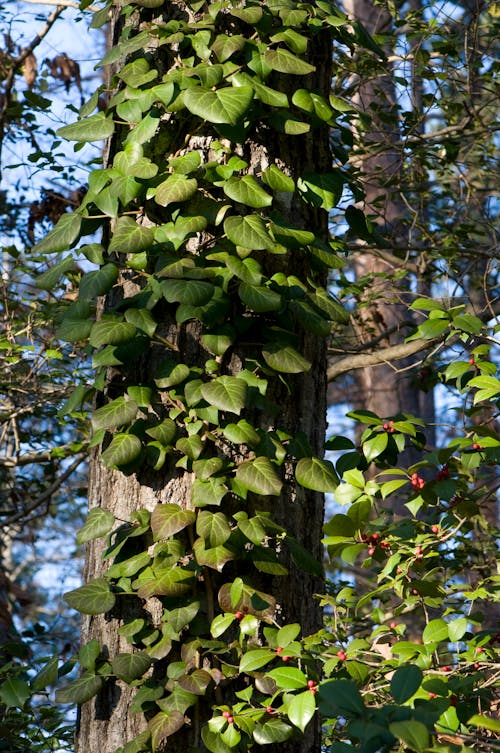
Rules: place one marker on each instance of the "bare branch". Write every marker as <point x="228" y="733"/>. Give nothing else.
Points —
<point x="65" y="3"/>
<point x="392" y="353"/>
<point x="47" y="494"/>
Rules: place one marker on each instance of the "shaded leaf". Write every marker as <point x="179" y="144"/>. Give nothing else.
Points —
<point x="94" y="597"/>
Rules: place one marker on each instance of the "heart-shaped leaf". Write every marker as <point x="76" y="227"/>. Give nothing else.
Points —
<point x="123" y="449"/>
<point x="227" y="105"/>
<point x="259" y="476"/>
<point x="94" y="597"/>
<point x="226" y="393"/>
<point x="168" y="519"/>
<point x="99" y="522"/>
<point x="129" y="667"/>
<point x="316" y="474"/>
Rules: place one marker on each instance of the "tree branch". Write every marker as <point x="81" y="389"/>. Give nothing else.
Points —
<point x="391" y="353"/>
<point x="65" y="3"/>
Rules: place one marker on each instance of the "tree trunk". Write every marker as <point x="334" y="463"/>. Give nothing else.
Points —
<point x="385" y="389"/>
<point x="295" y="402"/>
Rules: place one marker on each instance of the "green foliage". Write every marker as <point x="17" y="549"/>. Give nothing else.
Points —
<point x="204" y="239"/>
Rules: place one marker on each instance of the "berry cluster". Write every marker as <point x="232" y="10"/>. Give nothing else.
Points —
<point x="417" y="482"/>
<point x="443" y="473"/>
<point x="389" y="426"/>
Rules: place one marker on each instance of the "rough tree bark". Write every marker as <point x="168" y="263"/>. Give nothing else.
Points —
<point x="105" y="722"/>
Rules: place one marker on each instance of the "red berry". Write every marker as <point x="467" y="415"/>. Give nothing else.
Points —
<point x="371" y="550"/>
<point x="342" y="655"/>
<point x="479" y="650"/>
<point x="226" y="714"/>
<point x="476" y="665"/>
<point x="446" y="668"/>
<point x="269" y="710"/>
<point x="393" y="625"/>
<point x="238" y="615"/>
<point x="279" y="649"/>
<point x="230" y="719"/>
<point x="435" y="529"/>
<point x="285" y="658"/>
<point x="313" y="690"/>
<point x="375" y="536"/>
<point x="472" y="361"/>
<point x="432" y="695"/>
<point x="311" y="684"/>
<point x="419" y="551"/>
<point x="245" y="610"/>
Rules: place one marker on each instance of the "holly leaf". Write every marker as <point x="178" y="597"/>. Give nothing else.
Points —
<point x="301" y="709"/>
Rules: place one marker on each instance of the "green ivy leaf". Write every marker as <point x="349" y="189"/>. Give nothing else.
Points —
<point x="248" y="232"/>
<point x="95" y="128"/>
<point x="47" y="675"/>
<point x="247" y="191"/>
<point x="197" y="682"/>
<point x="301" y="709"/>
<point x="226" y="393"/>
<point x="167" y="519"/>
<point x="213" y="527"/>
<point x="227" y="105"/>
<point x="213" y="557"/>
<point x="99" y="282"/>
<point x="321" y="189"/>
<point x="278" y="180"/>
<point x="285" y="359"/>
<point x="259" y="298"/>
<point x="80" y="691"/>
<point x="193" y="292"/>
<point x="253" y="529"/>
<point x="94" y="597"/>
<point x="259" y="476"/>
<point x="208" y="492"/>
<point x="111" y="330"/>
<point x="137" y="73"/>
<point x="176" y="188"/>
<point x="165" y="723"/>
<point x="405" y="682"/>
<point x="412" y="733"/>
<point x="129" y="237"/>
<point x="123" y="449"/>
<point x="62" y="237"/>
<point x="141" y="319"/>
<point x="163" y="432"/>
<point x="241" y="433"/>
<point x="129" y="667"/>
<point x="14" y="692"/>
<point x="49" y="280"/>
<point x="173" y="582"/>
<point x="283" y="61"/>
<point x="99" y="522"/>
<point x="115" y="413"/>
<point x="316" y="474"/>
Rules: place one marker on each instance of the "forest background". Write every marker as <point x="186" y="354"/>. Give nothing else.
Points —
<point x="407" y="658"/>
